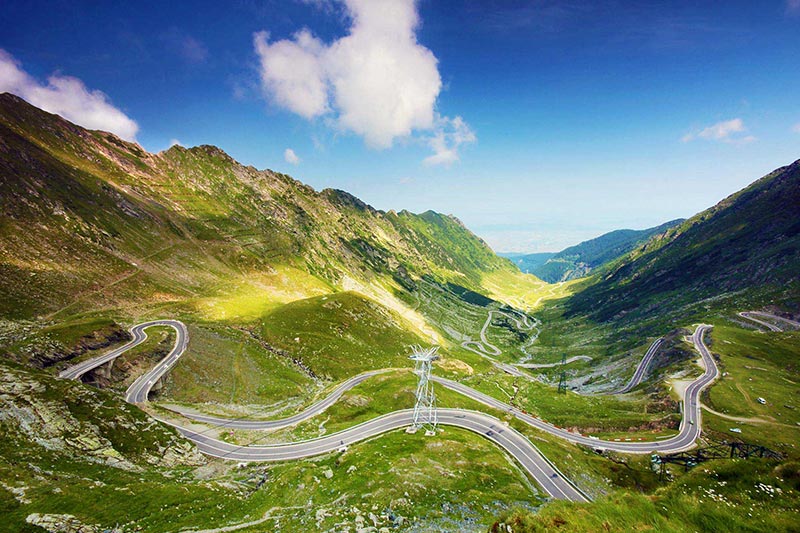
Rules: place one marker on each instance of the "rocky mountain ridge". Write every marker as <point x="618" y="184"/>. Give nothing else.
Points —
<point x="179" y="221"/>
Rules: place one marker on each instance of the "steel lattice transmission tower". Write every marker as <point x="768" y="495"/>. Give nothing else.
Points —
<point x="425" y="408"/>
<point x="562" y="383"/>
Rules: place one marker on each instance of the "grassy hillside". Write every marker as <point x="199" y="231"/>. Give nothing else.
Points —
<point x="746" y="248"/>
<point x="115" y="224"/>
<point x="739" y="496"/>
<point x="97" y="231"/>
<point x="68" y="449"/>
<point x="340" y="335"/>
<point x="286" y="291"/>
<point x="45" y="415"/>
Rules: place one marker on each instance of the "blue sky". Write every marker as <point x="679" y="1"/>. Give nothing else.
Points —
<point x="539" y="124"/>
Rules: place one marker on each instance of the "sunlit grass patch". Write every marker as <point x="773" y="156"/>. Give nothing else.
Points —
<point x="524" y="291"/>
<point x="755" y="365"/>
<point x="251" y="296"/>
<point x="228" y="366"/>
<point x="340" y="335"/>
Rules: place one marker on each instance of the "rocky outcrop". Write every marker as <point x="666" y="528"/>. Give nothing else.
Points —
<point x="51" y="353"/>
<point x="83" y="423"/>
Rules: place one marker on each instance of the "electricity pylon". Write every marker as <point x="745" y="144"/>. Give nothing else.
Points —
<point x="425" y="408"/>
<point x="562" y="383"/>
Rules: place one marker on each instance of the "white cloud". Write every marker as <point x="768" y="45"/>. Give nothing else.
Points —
<point x="744" y="140"/>
<point x="448" y="136"/>
<point x="175" y="142"/>
<point x="291" y="157"/>
<point x="66" y="96"/>
<point x="722" y="130"/>
<point x="385" y="84"/>
<point x="729" y="131"/>
<point x="377" y="81"/>
<point x="292" y="73"/>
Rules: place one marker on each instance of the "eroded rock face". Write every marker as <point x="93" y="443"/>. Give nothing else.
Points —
<point x="83" y="423"/>
<point x="51" y="353"/>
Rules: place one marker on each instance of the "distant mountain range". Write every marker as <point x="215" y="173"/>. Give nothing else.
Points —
<point x="582" y="259"/>
<point x="528" y="262"/>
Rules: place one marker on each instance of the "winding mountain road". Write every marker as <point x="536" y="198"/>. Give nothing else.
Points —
<point x="754" y="317"/>
<point x="641" y="369"/>
<point x="140" y="389"/>
<point x="312" y="411"/>
<point x="690" y="424"/>
<point x="489" y="351"/>
<point x="139" y="336"/>
<point x="516" y="444"/>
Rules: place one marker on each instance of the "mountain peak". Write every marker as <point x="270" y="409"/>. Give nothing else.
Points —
<point x="11" y="97"/>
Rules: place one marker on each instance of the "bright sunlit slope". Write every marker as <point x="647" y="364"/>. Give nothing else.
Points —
<point x="115" y="225"/>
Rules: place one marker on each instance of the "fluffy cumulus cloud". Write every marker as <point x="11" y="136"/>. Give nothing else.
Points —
<point x="291" y="157"/>
<point x="293" y="73"/>
<point x="729" y="131"/>
<point x="377" y="81"/>
<point x="66" y="96"/>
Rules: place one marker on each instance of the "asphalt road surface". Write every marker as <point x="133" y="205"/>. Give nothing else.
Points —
<point x="491" y="428"/>
<point x="688" y="432"/>
<point x="139" y="336"/>
<point x="311" y="411"/>
<point x="638" y="375"/>
<point x="754" y="316"/>
<point x="516" y="444"/>
<point x="139" y="389"/>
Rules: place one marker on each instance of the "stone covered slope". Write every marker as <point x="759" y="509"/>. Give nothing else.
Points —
<point x="69" y="420"/>
<point x="84" y="210"/>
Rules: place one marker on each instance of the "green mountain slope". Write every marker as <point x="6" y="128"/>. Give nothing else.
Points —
<point x="580" y="260"/>
<point x="89" y="218"/>
<point x="746" y="246"/>
<point x="284" y="290"/>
